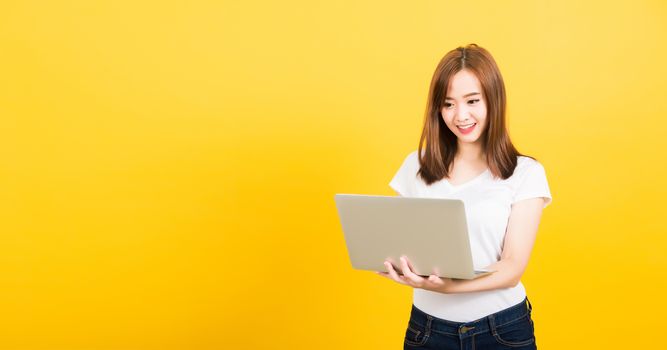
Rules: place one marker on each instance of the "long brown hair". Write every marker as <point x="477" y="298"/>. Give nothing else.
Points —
<point x="440" y="143"/>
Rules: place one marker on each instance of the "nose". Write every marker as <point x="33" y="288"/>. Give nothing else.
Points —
<point x="462" y="114"/>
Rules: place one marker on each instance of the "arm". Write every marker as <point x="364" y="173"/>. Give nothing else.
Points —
<point x="521" y="231"/>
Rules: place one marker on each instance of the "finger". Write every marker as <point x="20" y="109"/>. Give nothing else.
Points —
<point x="383" y="274"/>
<point x="412" y="269"/>
<point x="409" y="263"/>
<point x="393" y="273"/>
<point x="407" y="272"/>
<point x="397" y="276"/>
<point x="436" y="280"/>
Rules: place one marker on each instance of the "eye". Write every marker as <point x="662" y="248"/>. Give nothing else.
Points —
<point x="474" y="101"/>
<point x="447" y="105"/>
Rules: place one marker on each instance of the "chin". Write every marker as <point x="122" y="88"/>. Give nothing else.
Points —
<point x="469" y="139"/>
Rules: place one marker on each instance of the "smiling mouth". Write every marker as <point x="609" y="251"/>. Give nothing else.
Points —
<point x="467" y="128"/>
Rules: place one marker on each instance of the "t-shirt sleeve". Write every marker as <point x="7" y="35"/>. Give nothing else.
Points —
<point x="403" y="181"/>
<point x="533" y="184"/>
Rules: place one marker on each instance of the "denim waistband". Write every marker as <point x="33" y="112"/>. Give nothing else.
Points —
<point x="465" y="329"/>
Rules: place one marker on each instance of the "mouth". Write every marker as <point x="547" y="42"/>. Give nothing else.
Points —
<point x="466" y="129"/>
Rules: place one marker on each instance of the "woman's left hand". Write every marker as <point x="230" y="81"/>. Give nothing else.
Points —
<point x="432" y="283"/>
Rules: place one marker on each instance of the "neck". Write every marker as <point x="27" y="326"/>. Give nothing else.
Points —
<point x="470" y="152"/>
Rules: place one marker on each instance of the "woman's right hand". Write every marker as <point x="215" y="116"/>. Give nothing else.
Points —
<point x="409" y="278"/>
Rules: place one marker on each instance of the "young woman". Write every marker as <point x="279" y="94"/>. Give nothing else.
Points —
<point x="466" y="154"/>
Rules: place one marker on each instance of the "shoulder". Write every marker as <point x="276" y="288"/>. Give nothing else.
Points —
<point x="410" y="165"/>
<point x="413" y="156"/>
<point x="404" y="181"/>
<point x="524" y="162"/>
<point x="412" y="160"/>
<point x="530" y="180"/>
<point x="526" y="165"/>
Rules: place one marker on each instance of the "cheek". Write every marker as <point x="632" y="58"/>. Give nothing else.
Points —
<point x="485" y="125"/>
<point x="480" y="114"/>
<point x="483" y="110"/>
<point x="447" y="117"/>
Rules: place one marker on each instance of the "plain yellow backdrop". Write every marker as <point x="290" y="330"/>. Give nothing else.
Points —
<point x="168" y="168"/>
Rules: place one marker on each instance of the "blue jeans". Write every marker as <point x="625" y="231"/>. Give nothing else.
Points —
<point x="511" y="328"/>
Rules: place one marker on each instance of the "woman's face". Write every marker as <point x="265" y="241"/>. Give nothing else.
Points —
<point x="464" y="111"/>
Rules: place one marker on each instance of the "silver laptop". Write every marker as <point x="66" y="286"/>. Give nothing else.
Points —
<point x="431" y="232"/>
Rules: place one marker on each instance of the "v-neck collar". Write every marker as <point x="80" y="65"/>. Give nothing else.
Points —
<point x="467" y="183"/>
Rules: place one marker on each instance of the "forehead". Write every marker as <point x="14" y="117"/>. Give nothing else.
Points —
<point x="462" y="83"/>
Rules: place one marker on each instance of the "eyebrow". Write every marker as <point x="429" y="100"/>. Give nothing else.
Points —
<point x="466" y="95"/>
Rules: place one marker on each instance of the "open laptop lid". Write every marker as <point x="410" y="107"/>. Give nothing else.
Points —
<point x="431" y="232"/>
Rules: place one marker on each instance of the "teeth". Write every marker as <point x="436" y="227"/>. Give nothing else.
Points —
<point x="466" y="126"/>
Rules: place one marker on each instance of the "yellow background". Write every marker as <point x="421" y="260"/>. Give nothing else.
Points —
<point x="167" y="168"/>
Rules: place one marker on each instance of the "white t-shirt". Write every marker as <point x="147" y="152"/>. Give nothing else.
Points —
<point x="488" y="203"/>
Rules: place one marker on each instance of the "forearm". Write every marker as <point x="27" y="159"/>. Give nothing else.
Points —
<point x="506" y="276"/>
